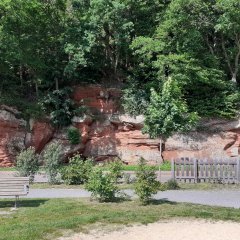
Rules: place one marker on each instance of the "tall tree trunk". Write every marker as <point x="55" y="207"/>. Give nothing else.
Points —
<point x="36" y="89"/>
<point x="21" y="74"/>
<point x="56" y="84"/>
<point x="160" y="160"/>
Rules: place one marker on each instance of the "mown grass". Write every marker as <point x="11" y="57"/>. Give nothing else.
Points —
<point x="165" y="166"/>
<point x="42" y="219"/>
<point x="3" y="169"/>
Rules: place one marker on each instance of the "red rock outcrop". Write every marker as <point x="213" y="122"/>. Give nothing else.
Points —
<point x="220" y="139"/>
<point x="103" y="100"/>
<point x="12" y="137"/>
<point x="106" y="133"/>
<point x="41" y="133"/>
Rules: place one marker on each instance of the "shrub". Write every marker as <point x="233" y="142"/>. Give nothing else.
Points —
<point x="27" y="163"/>
<point x="146" y="183"/>
<point x="78" y="170"/>
<point x="73" y="135"/>
<point x="61" y="108"/>
<point x="172" y="184"/>
<point x="102" y="185"/>
<point x="51" y="158"/>
<point x="115" y="169"/>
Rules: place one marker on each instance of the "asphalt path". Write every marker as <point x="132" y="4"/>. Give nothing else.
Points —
<point x="223" y="198"/>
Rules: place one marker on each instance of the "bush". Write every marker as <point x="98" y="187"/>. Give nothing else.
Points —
<point x="172" y="184"/>
<point x="51" y="158"/>
<point x="115" y="169"/>
<point x="73" y="135"/>
<point x="102" y="185"/>
<point x="61" y="108"/>
<point x="78" y="170"/>
<point x="27" y="163"/>
<point x="146" y="184"/>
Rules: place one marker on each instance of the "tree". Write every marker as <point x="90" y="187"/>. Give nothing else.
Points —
<point x="187" y="47"/>
<point x="168" y="113"/>
<point x="228" y="28"/>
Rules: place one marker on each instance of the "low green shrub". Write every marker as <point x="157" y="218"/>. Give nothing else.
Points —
<point x="116" y="169"/>
<point x="73" y="135"/>
<point x="146" y="183"/>
<point x="77" y="171"/>
<point x="172" y="184"/>
<point x="102" y="185"/>
<point x="27" y="163"/>
<point x="52" y="162"/>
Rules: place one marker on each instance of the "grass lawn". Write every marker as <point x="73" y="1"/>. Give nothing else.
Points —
<point x="2" y="169"/>
<point x="48" y="219"/>
<point x="166" y="166"/>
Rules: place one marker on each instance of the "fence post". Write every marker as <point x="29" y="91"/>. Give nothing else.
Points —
<point x="238" y="170"/>
<point x="195" y="170"/>
<point x="173" y="169"/>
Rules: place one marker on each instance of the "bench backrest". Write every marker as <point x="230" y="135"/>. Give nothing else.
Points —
<point x="14" y="186"/>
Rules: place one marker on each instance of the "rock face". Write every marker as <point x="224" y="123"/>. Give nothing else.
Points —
<point x="12" y="137"/>
<point x="99" y="99"/>
<point x="41" y="133"/>
<point x="107" y="133"/>
<point x="220" y="139"/>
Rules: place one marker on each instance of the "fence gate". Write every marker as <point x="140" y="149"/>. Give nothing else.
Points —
<point x="199" y="170"/>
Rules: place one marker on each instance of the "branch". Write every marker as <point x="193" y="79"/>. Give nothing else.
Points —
<point x="209" y="46"/>
<point x="237" y="58"/>
<point x="226" y="55"/>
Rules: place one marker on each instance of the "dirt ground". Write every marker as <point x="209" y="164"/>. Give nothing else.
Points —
<point x="167" y="230"/>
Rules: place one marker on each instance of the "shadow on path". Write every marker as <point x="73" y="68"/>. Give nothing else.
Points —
<point x="22" y="203"/>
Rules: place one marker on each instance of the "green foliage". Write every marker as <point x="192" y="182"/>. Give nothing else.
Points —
<point x="135" y="100"/>
<point x="172" y="185"/>
<point x="77" y="171"/>
<point x="165" y="166"/>
<point x="27" y="163"/>
<point x="146" y="184"/>
<point x="52" y="161"/>
<point x="116" y="168"/>
<point x="60" y="107"/>
<point x="167" y="113"/>
<point x="73" y="135"/>
<point x="102" y="185"/>
<point x="48" y="45"/>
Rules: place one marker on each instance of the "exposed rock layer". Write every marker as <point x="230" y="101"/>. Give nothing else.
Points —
<point x="106" y="133"/>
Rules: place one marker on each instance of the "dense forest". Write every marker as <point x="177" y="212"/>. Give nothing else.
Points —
<point x="158" y="51"/>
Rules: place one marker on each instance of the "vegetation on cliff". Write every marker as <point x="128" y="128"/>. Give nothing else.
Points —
<point x="50" y="45"/>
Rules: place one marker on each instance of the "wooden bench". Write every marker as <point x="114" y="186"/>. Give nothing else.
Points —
<point x="14" y="186"/>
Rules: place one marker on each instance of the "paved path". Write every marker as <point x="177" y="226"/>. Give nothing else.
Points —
<point x="224" y="198"/>
<point x="42" y="178"/>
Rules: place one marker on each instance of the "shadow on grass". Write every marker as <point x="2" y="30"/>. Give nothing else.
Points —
<point x="161" y="201"/>
<point x="22" y="203"/>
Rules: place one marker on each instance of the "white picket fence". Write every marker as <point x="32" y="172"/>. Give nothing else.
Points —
<point x="205" y="170"/>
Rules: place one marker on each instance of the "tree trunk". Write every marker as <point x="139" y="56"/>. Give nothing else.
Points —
<point x="56" y="84"/>
<point x="21" y="74"/>
<point x="36" y="89"/>
<point x="161" y="160"/>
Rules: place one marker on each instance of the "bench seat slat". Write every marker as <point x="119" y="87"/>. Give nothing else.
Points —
<point x="11" y="183"/>
<point x="13" y="194"/>
<point x="11" y="189"/>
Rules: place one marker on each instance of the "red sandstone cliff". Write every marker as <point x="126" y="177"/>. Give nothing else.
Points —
<point x="109" y="134"/>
